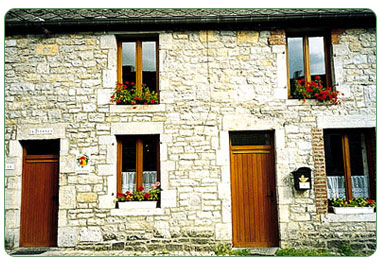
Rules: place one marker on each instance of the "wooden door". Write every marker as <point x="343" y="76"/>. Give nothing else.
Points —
<point x="254" y="209"/>
<point x="39" y="200"/>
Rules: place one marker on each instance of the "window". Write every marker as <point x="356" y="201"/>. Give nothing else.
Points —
<point x="308" y="57"/>
<point x="138" y="162"/>
<point x="350" y="163"/>
<point x="138" y="62"/>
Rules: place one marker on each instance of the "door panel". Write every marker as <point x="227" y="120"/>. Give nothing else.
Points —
<point x="39" y="201"/>
<point x="253" y="196"/>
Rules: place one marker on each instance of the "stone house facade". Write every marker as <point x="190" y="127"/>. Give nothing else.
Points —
<point x="221" y="81"/>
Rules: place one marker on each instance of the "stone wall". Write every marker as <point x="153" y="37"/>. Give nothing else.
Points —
<point x="211" y="82"/>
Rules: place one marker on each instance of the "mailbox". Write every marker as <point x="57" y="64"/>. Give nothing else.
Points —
<point x="302" y="178"/>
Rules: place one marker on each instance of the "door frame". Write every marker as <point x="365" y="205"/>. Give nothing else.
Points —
<point x="42" y="158"/>
<point x="259" y="149"/>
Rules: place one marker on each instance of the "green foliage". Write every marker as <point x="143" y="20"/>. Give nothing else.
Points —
<point x="224" y="250"/>
<point x="141" y="194"/>
<point x="356" y="202"/>
<point x="128" y="94"/>
<point x="303" y="252"/>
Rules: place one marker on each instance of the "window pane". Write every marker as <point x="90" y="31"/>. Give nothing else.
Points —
<point x="129" y="61"/>
<point x="128" y="165"/>
<point x="334" y="166"/>
<point x="149" y="64"/>
<point x="295" y="60"/>
<point x="317" y="58"/>
<point x="250" y="139"/>
<point x="359" y="165"/>
<point x="149" y="161"/>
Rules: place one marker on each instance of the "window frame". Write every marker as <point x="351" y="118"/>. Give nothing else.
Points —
<point x="306" y="57"/>
<point x="139" y="158"/>
<point x="369" y="134"/>
<point x="138" y="57"/>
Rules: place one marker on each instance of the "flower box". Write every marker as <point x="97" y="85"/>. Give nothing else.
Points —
<point x="352" y="210"/>
<point x="137" y="205"/>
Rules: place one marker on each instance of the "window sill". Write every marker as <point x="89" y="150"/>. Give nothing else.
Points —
<point x="137" y="212"/>
<point x="136" y="108"/>
<point x="331" y="217"/>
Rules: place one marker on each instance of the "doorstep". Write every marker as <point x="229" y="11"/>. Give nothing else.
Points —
<point x="260" y="251"/>
<point x="30" y="251"/>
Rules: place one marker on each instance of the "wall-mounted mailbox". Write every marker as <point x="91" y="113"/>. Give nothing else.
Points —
<point x="302" y="178"/>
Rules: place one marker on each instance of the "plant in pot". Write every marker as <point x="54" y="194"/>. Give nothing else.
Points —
<point x="353" y="206"/>
<point x="128" y="94"/>
<point x="145" y="198"/>
<point x="315" y="90"/>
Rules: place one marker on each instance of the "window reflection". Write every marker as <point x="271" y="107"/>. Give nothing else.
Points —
<point x="129" y="61"/>
<point x="317" y="59"/>
<point x="295" y="60"/>
<point x="149" y="64"/>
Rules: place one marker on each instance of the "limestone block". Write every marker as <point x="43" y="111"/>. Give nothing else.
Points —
<point x="47" y="49"/>
<point x="223" y="231"/>
<point x="67" y="237"/>
<point x="67" y="196"/>
<point x="108" y="41"/>
<point x="15" y="149"/>
<point x="106" y="202"/>
<point x="105" y="169"/>
<point x="247" y="37"/>
<point x="168" y="198"/>
<point x="87" y="197"/>
<point x="90" y="234"/>
<point x="109" y="78"/>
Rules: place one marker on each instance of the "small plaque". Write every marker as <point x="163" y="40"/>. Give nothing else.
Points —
<point x="9" y="166"/>
<point x="82" y="164"/>
<point x="32" y="131"/>
<point x="45" y="131"/>
<point x="305" y="185"/>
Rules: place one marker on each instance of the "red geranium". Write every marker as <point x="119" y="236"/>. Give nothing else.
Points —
<point x="141" y="188"/>
<point x="146" y="196"/>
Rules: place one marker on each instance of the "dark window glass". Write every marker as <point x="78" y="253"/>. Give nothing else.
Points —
<point x="295" y="60"/>
<point x="317" y="58"/>
<point x="129" y="156"/>
<point x="42" y="147"/>
<point x="333" y="155"/>
<point x="149" y="64"/>
<point x="250" y="139"/>
<point x="129" y="61"/>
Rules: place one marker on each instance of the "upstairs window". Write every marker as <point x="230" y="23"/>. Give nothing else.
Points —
<point x="138" y="62"/>
<point x="307" y="57"/>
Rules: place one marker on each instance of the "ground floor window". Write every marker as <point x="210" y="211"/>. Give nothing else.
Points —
<point x="138" y="161"/>
<point x="350" y="163"/>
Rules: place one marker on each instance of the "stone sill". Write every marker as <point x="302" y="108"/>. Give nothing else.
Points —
<point x="331" y="217"/>
<point x="309" y="102"/>
<point x="139" y="108"/>
<point x="136" y="212"/>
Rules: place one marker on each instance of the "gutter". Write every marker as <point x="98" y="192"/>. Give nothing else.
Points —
<point x="323" y="20"/>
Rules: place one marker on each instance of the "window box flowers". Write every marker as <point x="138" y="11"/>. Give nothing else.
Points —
<point x="145" y="198"/>
<point x="128" y="94"/>
<point x="315" y="90"/>
<point x="355" y="206"/>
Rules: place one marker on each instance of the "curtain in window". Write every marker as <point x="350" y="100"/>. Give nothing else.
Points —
<point x="336" y="186"/>
<point x="129" y="180"/>
<point x="360" y="186"/>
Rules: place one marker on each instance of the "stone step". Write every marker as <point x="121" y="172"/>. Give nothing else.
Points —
<point x="261" y="251"/>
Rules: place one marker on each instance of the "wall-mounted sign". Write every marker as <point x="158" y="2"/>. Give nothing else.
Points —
<point x="302" y="178"/>
<point x="82" y="164"/>
<point x="9" y="166"/>
<point x="41" y="131"/>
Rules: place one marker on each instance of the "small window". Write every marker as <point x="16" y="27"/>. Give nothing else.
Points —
<point x="138" y="62"/>
<point x="138" y="162"/>
<point x="308" y="58"/>
<point x="349" y="163"/>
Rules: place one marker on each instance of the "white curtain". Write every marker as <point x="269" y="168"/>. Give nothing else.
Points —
<point x="360" y="186"/>
<point x="336" y="186"/>
<point x="129" y="180"/>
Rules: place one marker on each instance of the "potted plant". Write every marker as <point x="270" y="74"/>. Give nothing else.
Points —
<point x="354" y="206"/>
<point x="145" y="198"/>
<point x="315" y="90"/>
<point x="128" y="94"/>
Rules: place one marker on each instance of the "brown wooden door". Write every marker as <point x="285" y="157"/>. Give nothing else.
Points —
<point x="254" y="210"/>
<point x="39" y="200"/>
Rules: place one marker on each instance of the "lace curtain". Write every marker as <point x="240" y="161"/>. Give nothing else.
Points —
<point x="336" y="186"/>
<point x="129" y="180"/>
